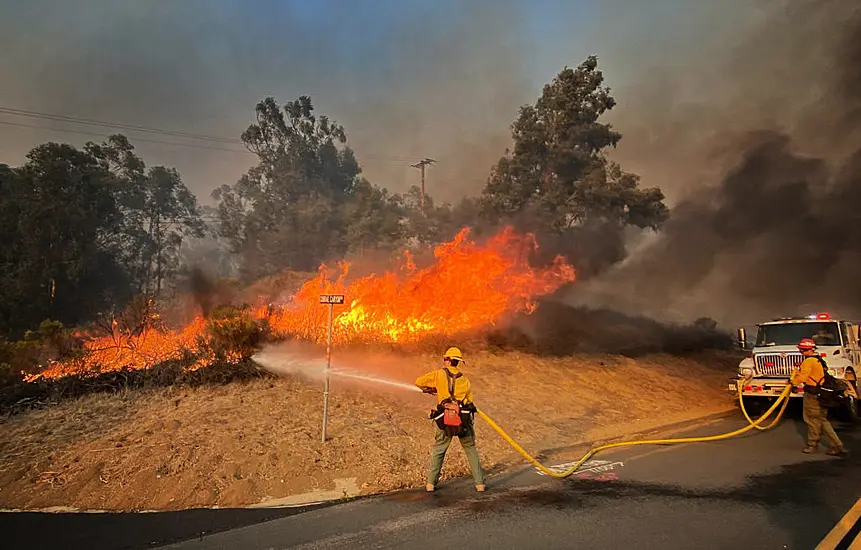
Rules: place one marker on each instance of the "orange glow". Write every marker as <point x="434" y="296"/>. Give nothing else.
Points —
<point x="131" y="350"/>
<point x="469" y="286"/>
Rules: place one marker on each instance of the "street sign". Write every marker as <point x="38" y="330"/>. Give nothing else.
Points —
<point x="330" y="299"/>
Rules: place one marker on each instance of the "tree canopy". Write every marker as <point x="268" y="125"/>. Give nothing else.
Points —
<point x="305" y="200"/>
<point x="87" y="230"/>
<point x="557" y="178"/>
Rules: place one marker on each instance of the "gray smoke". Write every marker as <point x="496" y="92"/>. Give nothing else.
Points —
<point x="745" y="112"/>
<point x="769" y="226"/>
<point x="440" y="79"/>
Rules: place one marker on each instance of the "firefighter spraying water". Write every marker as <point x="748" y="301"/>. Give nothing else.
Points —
<point x="453" y="416"/>
<point x="456" y="408"/>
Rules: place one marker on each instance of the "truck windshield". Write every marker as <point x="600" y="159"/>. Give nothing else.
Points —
<point x="824" y="334"/>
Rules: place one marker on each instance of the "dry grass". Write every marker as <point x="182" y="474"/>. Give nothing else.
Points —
<point x="233" y="445"/>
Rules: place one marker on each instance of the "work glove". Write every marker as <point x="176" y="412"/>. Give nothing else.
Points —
<point x="426" y="389"/>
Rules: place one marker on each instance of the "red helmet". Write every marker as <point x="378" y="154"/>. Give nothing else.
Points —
<point x="806" y="344"/>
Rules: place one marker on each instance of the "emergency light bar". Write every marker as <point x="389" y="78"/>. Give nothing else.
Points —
<point x="821" y="316"/>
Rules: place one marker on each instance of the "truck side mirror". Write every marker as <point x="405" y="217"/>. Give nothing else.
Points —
<point x="742" y="340"/>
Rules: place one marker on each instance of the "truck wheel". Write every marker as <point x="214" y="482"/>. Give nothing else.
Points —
<point x="852" y="406"/>
<point x="850" y="410"/>
<point x="755" y="406"/>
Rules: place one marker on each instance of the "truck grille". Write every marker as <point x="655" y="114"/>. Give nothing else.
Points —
<point x="777" y="364"/>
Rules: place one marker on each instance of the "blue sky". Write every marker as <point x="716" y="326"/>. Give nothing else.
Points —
<point x="439" y="78"/>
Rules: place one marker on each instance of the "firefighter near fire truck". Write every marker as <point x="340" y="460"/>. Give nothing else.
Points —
<point x="770" y="374"/>
<point x="821" y="392"/>
<point x="762" y="375"/>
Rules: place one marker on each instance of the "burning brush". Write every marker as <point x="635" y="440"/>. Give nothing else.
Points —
<point x="468" y="286"/>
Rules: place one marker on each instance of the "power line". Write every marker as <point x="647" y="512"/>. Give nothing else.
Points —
<point x="105" y="124"/>
<point x="146" y="129"/>
<point x="146" y="140"/>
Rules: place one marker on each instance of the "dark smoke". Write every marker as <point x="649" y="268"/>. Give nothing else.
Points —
<point x="203" y="289"/>
<point x="778" y="235"/>
<point x="559" y="330"/>
<point x="591" y="248"/>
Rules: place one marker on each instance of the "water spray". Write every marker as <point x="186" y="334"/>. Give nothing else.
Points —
<point x="375" y="379"/>
<point x="283" y="364"/>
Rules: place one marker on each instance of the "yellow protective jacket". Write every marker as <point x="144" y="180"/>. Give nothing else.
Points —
<point x="809" y="373"/>
<point x="438" y="380"/>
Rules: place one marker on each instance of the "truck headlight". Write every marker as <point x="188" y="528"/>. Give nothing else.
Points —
<point x="747" y="372"/>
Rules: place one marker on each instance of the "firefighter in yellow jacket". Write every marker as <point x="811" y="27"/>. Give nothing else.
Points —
<point x="811" y="373"/>
<point x="448" y="382"/>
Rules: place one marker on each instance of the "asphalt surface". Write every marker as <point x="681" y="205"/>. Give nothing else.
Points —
<point x="755" y="491"/>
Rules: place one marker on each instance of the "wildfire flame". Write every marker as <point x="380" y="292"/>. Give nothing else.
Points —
<point x="129" y="349"/>
<point x="469" y="286"/>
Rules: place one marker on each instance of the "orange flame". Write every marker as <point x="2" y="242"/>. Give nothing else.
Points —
<point x="468" y="287"/>
<point x="120" y="350"/>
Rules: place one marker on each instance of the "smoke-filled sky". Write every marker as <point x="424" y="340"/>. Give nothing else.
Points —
<point x="771" y="225"/>
<point x="745" y="112"/>
<point x="407" y="79"/>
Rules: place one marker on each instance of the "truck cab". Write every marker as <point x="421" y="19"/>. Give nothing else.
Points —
<point x="763" y="374"/>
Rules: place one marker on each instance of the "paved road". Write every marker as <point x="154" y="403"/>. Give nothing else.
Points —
<point x="756" y="491"/>
<point x="753" y="492"/>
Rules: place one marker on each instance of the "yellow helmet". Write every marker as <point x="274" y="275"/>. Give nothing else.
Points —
<point x="454" y="353"/>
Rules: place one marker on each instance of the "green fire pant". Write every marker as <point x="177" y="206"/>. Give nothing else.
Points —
<point x="442" y="441"/>
<point x="815" y="416"/>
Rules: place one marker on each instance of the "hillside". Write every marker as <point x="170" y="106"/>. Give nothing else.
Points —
<point x="243" y="443"/>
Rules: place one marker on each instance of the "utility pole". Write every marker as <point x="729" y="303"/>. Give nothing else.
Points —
<point x="421" y="166"/>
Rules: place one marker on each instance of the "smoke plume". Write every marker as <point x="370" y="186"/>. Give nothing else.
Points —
<point x="745" y="112"/>
<point x="203" y="289"/>
<point x="768" y="227"/>
<point x="560" y="330"/>
<point x="443" y="80"/>
<point x="408" y="80"/>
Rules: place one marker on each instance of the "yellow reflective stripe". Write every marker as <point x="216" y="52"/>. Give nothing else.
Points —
<point x="833" y="538"/>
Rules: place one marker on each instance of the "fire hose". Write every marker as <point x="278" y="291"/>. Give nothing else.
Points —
<point x="782" y="398"/>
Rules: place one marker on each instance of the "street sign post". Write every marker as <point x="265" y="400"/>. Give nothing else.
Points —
<point x="330" y="299"/>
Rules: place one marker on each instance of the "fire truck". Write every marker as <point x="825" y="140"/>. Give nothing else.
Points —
<point x="773" y="357"/>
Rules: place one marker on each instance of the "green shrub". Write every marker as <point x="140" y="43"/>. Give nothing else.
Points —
<point x="17" y="357"/>
<point x="231" y="334"/>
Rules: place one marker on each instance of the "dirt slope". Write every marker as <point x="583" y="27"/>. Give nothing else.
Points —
<point x="239" y="444"/>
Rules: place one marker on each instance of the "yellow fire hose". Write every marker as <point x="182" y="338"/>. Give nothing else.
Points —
<point x="783" y="398"/>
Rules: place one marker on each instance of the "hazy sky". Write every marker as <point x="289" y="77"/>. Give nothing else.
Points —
<point x="441" y="78"/>
<point x="444" y="78"/>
